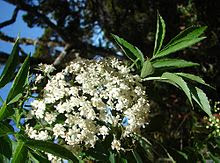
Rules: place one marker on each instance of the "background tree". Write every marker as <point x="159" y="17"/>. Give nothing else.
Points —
<point x="71" y="26"/>
<point x="74" y="24"/>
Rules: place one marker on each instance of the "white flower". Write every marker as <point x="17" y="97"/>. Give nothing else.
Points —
<point x="54" y="159"/>
<point x="104" y="131"/>
<point x="43" y="135"/>
<point x="59" y="130"/>
<point x="38" y="104"/>
<point x="34" y="134"/>
<point x="116" y="145"/>
<point x="38" y="78"/>
<point x="50" y="117"/>
<point x="48" y="69"/>
<point x="38" y="108"/>
<point x="30" y="132"/>
<point x="39" y="113"/>
<point x="63" y="107"/>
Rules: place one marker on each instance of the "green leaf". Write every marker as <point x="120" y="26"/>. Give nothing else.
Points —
<point x="3" y="159"/>
<point x="180" y="82"/>
<point x="182" y="154"/>
<point x="160" y="79"/>
<point x="37" y="158"/>
<point x="15" y="99"/>
<point x="16" y="88"/>
<point x="5" y="146"/>
<point x="1" y="100"/>
<point x="189" y="33"/>
<point x="145" y="144"/>
<point x="179" y="156"/>
<point x="147" y="69"/>
<point x="123" y="160"/>
<point x="20" y="153"/>
<point x="201" y="99"/>
<point x="10" y="66"/>
<point x="214" y="158"/>
<point x="112" y="157"/>
<point x="19" y="82"/>
<point x="172" y="63"/>
<point x="137" y="156"/>
<point x="160" y="34"/>
<point x="131" y="51"/>
<point x="194" y="78"/>
<point x="52" y="148"/>
<point x="177" y="46"/>
<point x="6" y="111"/>
<point x="153" y="78"/>
<point x="5" y="129"/>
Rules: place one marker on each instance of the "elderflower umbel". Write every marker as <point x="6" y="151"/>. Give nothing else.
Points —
<point x="214" y="122"/>
<point x="82" y="104"/>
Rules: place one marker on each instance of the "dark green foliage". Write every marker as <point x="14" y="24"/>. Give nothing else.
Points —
<point x="160" y="34"/>
<point x="20" y="153"/>
<point x="183" y="40"/>
<point x="16" y="90"/>
<point x="52" y="148"/>
<point x="5" y="147"/>
<point x="19" y="81"/>
<point x="147" y="69"/>
<point x="10" y="66"/>
<point x="5" y="129"/>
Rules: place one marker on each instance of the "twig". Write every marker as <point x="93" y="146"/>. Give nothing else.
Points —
<point x="34" y="61"/>
<point x="28" y="41"/>
<point x="12" y="20"/>
<point x="61" y="56"/>
<point x="26" y="7"/>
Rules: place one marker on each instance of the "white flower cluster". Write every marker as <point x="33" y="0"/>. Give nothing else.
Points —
<point x="213" y="123"/>
<point x="37" y="135"/>
<point x="46" y="68"/>
<point x="81" y="104"/>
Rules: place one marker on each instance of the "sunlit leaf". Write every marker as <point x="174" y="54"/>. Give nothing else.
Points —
<point x="160" y="34"/>
<point x="178" y="46"/>
<point x="52" y="148"/>
<point x="180" y="82"/>
<point x="189" y="33"/>
<point x="201" y="99"/>
<point x="15" y="99"/>
<point x="19" y="82"/>
<point x="10" y="66"/>
<point x="147" y="69"/>
<point x="1" y="100"/>
<point x="194" y="78"/>
<point x="172" y="63"/>
<point x="131" y="51"/>
<point x="20" y="153"/>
